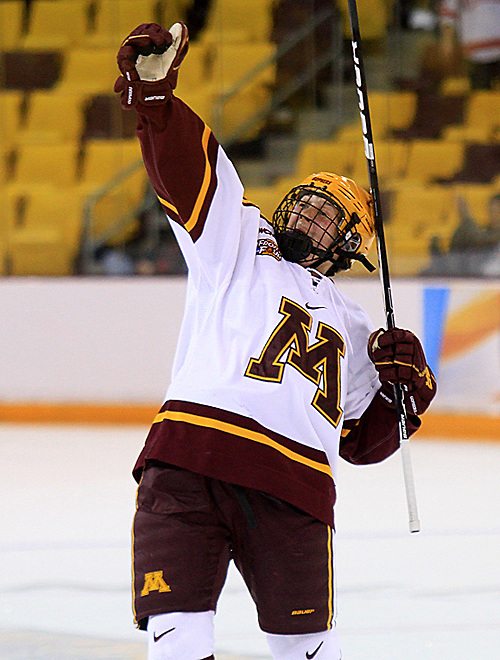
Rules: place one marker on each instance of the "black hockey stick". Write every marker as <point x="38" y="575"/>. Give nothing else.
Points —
<point x="383" y="262"/>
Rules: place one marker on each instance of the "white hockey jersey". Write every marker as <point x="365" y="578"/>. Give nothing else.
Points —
<point x="478" y="26"/>
<point x="271" y="373"/>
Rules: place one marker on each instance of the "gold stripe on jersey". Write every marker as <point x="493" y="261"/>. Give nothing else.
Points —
<point x="168" y="205"/>
<point x="133" y="556"/>
<point x="233" y="429"/>
<point x="331" y="592"/>
<point x="349" y="425"/>
<point x="191" y="223"/>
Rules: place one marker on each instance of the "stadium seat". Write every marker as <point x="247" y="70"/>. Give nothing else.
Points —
<point x="11" y="21"/>
<point x="267" y="198"/>
<point x="418" y="213"/>
<point x="374" y="16"/>
<point x="43" y="239"/>
<point x="195" y="85"/>
<point x="327" y="156"/>
<point x="243" y="109"/>
<point x="40" y="252"/>
<point x="232" y="61"/>
<point x="9" y="203"/>
<point x="114" y="214"/>
<point x="484" y="108"/>
<point x="52" y="206"/>
<point x="115" y="19"/>
<point x="104" y="159"/>
<point x="10" y="112"/>
<point x="231" y="21"/>
<point x="56" y="25"/>
<point x="196" y="70"/>
<point x="476" y="198"/>
<point x="88" y="71"/>
<point x="46" y="164"/>
<point x="389" y="111"/>
<point x="482" y="120"/>
<point x="391" y="158"/>
<point x="430" y="160"/>
<point x="455" y="85"/>
<point x="53" y="117"/>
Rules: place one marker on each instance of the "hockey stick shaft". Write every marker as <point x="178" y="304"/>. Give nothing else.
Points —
<point x="383" y="261"/>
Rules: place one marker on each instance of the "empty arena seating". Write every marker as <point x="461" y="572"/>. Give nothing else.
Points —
<point x="52" y="116"/>
<point x="326" y="156"/>
<point x="430" y="160"/>
<point x="54" y="164"/>
<point x="55" y="25"/>
<point x="482" y="119"/>
<point x="391" y="160"/>
<point x="102" y="161"/>
<point x="232" y="21"/>
<point x="374" y="16"/>
<point x="267" y="198"/>
<point x="389" y="111"/>
<point x="42" y="137"/>
<point x="118" y="17"/>
<point x="42" y="230"/>
<point x="10" y="112"/>
<point x="88" y="71"/>
<point x="49" y="166"/>
<point x="11" y="23"/>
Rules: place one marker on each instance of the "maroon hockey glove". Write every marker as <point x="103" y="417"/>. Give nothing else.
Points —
<point x="149" y="59"/>
<point x="399" y="357"/>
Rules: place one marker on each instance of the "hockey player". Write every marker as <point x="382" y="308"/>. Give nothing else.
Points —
<point x="276" y="373"/>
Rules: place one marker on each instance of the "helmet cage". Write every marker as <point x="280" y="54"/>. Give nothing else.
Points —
<point x="299" y="246"/>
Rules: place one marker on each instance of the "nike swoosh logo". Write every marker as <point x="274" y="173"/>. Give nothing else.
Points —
<point x="157" y="638"/>
<point x="311" y="655"/>
<point x="308" y="306"/>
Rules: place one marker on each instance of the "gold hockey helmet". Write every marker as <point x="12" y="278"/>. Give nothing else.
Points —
<point x="348" y="237"/>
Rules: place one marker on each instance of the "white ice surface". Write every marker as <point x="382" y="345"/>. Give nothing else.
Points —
<point x="67" y="500"/>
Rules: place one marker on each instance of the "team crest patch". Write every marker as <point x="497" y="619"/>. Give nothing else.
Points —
<point x="154" y="582"/>
<point x="268" y="248"/>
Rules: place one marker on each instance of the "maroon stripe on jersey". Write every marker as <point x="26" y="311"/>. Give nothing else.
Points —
<point x="246" y="423"/>
<point x="238" y="450"/>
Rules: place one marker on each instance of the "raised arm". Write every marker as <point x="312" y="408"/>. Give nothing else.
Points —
<point x="196" y="183"/>
<point x="179" y="150"/>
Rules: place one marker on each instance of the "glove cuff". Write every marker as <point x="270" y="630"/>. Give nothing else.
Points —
<point x="138" y="92"/>
<point x="416" y="401"/>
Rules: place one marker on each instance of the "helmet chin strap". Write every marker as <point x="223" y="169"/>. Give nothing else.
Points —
<point x="344" y="257"/>
<point x="367" y="264"/>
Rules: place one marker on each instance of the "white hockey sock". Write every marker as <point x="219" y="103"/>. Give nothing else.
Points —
<point x="186" y="635"/>
<point x="320" y="646"/>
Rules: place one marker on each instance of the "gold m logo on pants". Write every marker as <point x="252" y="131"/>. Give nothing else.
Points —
<point x="154" y="582"/>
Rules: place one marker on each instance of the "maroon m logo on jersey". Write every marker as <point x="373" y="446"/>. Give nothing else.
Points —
<point x="319" y="362"/>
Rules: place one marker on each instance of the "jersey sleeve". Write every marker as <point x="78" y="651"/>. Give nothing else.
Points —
<point x="375" y="435"/>
<point x="197" y="186"/>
